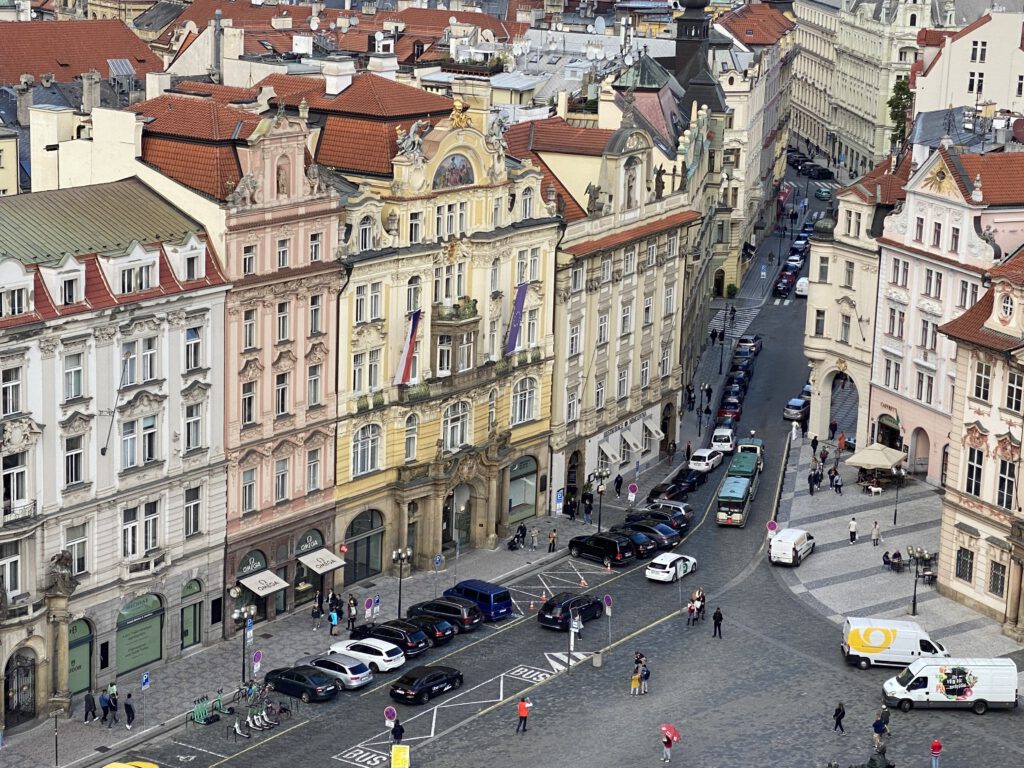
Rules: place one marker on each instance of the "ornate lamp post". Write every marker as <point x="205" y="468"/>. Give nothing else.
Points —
<point x="243" y="613"/>
<point x="401" y="557"/>
<point x="600" y="475"/>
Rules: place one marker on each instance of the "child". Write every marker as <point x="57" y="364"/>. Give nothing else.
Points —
<point x="691" y="611"/>
<point x="634" y="684"/>
<point x="666" y="749"/>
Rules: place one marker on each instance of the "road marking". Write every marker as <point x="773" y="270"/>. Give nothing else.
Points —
<point x="260" y="743"/>
<point x="560" y="661"/>
<point x="193" y="746"/>
<point x="530" y="674"/>
<point x="363" y="757"/>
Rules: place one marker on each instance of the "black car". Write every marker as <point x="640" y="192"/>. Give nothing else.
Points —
<point x="438" y="631"/>
<point x="782" y="289"/>
<point x="464" y="615"/>
<point x="606" y="548"/>
<point x="692" y="480"/>
<point x="644" y="546"/>
<point x="820" y="173"/>
<point x="305" y="682"/>
<point x="740" y="380"/>
<point x="669" y="491"/>
<point x="677" y="520"/>
<point x="663" y="535"/>
<point x="807" y="168"/>
<point x="420" y="684"/>
<point x="410" y="638"/>
<point x="735" y="391"/>
<point x="561" y="608"/>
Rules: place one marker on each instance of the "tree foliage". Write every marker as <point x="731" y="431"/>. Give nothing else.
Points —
<point x="900" y="103"/>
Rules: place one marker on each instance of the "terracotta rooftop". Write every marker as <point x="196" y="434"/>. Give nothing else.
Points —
<point x="757" y="24"/>
<point x="970" y="328"/>
<point x="634" y="233"/>
<point x="369" y="95"/>
<point x="434" y="22"/>
<point x="1011" y="269"/>
<point x="66" y="49"/>
<point x="211" y="169"/>
<point x="195" y="118"/>
<point x="240" y="14"/>
<point x="361" y="146"/>
<point x="882" y="185"/>
<point x="933" y="37"/>
<point x="556" y="135"/>
<point x="1000" y="175"/>
<point x="222" y="94"/>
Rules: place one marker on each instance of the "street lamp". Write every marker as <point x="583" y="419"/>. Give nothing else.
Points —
<point x="918" y="554"/>
<point x="898" y="474"/>
<point x="401" y="557"/>
<point x="601" y="475"/>
<point x="243" y="613"/>
<point x="721" y="348"/>
<point x="705" y="391"/>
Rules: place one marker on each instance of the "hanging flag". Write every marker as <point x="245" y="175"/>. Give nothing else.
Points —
<point x="517" y="319"/>
<point x="404" y="371"/>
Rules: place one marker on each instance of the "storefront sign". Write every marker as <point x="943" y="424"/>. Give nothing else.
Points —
<point x="139" y="633"/>
<point x="253" y="562"/>
<point x="79" y="655"/>
<point x="264" y="583"/>
<point x="192" y="587"/>
<point x="321" y="560"/>
<point x="309" y="541"/>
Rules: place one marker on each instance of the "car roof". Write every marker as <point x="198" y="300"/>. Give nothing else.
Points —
<point x="667" y="557"/>
<point x="703" y="452"/>
<point x="790" y="534"/>
<point x="797" y="401"/>
<point x="479" y="584"/>
<point x="376" y="642"/>
<point x="720" y="430"/>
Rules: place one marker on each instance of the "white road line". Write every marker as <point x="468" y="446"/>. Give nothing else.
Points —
<point x="198" y="749"/>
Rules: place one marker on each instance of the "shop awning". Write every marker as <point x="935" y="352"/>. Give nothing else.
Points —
<point x="610" y="451"/>
<point x="654" y="429"/>
<point x="321" y="560"/>
<point x="635" y="444"/>
<point x="264" y="583"/>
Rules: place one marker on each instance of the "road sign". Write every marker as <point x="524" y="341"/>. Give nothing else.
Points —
<point x="145" y="681"/>
<point x="399" y="756"/>
<point x="255" y="668"/>
<point x="560" y="496"/>
<point x="764" y="272"/>
<point x="631" y="497"/>
<point x="437" y="560"/>
<point x="248" y="635"/>
<point x="257" y="657"/>
<point x="248" y="624"/>
<point x="607" y="599"/>
<point x="376" y="599"/>
<point x="390" y="713"/>
<point x="633" y="488"/>
<point x="772" y="526"/>
<point x="343" y="549"/>
<point x="577" y="625"/>
<point x="368" y="603"/>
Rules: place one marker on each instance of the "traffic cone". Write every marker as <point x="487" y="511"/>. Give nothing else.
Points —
<point x="543" y="596"/>
<point x="608" y="568"/>
<point x="583" y="582"/>
<point x="532" y="608"/>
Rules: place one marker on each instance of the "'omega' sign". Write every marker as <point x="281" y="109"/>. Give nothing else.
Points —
<point x="252" y="565"/>
<point x="309" y="543"/>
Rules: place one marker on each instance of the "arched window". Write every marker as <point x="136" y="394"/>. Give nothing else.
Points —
<point x="523" y="400"/>
<point x="413" y="293"/>
<point x="455" y="426"/>
<point x="366" y="233"/>
<point x="528" y="203"/>
<point x="913" y="19"/>
<point x="365" y="450"/>
<point x="492" y="410"/>
<point x="412" y="425"/>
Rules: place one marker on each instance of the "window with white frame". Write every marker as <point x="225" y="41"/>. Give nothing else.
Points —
<point x="929" y="335"/>
<point x="365" y="450"/>
<point x="193" y="267"/>
<point x="249" y="329"/>
<point x="463" y="223"/>
<point x="532" y="327"/>
<point x="892" y="373"/>
<point x="975" y="465"/>
<point x="648" y="310"/>
<point x="492" y="339"/>
<point x="602" y="328"/>
<point x="316" y="311"/>
<point x="524" y="395"/>
<point x="365" y="233"/>
<point x="673" y="245"/>
<point x="534" y="264"/>
<point x="376" y="301"/>
<point x="313" y="377"/>
<point x="151" y="526"/>
<point x="312" y="470"/>
<point x="576" y="278"/>
<point x="652" y="252"/>
<point x="130" y="533"/>
<point x="848" y="270"/>
<point x="465" y="354"/>
<point x="137" y="278"/>
<point x="844" y="328"/>
<point x="492" y="410"/>
<point x="315" y="246"/>
<point x="572" y="407"/>
<point x="1014" y="390"/>
<point x="1006" y="487"/>
<point x="954" y="239"/>
<point x="528" y="203"/>
<point x="193" y="510"/>
<point x="982" y="380"/>
<point x="413" y="294"/>
<point x="412" y="427"/>
<point x="360" y="303"/>
<point x="599" y="394"/>
<point x="193" y="426"/>
<point x="284" y="326"/>
<point x="249" y="260"/>
<point x="283" y="246"/>
<point x="76" y="542"/>
<point x="444" y="355"/>
<point x="823" y="264"/>
<point x="247" y="488"/>
<point x="496" y="212"/>
<point x="373" y="370"/>
<point x="625" y="451"/>
<point x="925" y="387"/>
<point x="622" y="386"/>
<point x="358" y="371"/>
<point x="574" y="340"/>
<point x="670" y="299"/>
<point x="10" y="568"/>
<point x="282" y="469"/>
<point x="606" y="269"/>
<point x="933" y="283"/>
<point x="449" y="282"/>
<point x="455" y="426"/>
<point x="629" y="260"/>
<point x="282" y="399"/>
<point x="522" y="265"/>
<point x="645" y="373"/>
<point x="968" y="294"/>
<point x="72" y="376"/>
<point x="15" y="478"/>
<point x="134" y="371"/>
<point x="74" y="458"/>
<point x="248" y="403"/>
<point x="69" y="293"/>
<point x="665" y="366"/>
<point x="415" y="227"/>
<point x="193" y="348"/>
<point x="138" y="442"/>
<point x="900" y="271"/>
<point x="626" y="318"/>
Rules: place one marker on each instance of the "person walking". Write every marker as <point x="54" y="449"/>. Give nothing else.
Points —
<point x="878" y="730"/>
<point x="332" y="619"/>
<point x="698" y="607"/>
<point x="318" y="610"/>
<point x="690" y="613"/>
<point x="689" y="451"/>
<point x="570" y="509"/>
<point x="523" y="708"/>
<point x="104" y="705"/>
<point x="634" y="683"/>
<point x="885" y="718"/>
<point x="666" y="748"/>
<point x="618" y="486"/>
<point x="672" y="450"/>
<point x="853" y="530"/>
<point x="113" y="710"/>
<point x="812" y="478"/>
<point x="716" y="617"/>
<point x="838" y="483"/>
<point x="841" y="442"/>
<point x="552" y="540"/>
<point x="588" y="514"/>
<point x="534" y="536"/>
<point x="129" y="712"/>
<point x="353" y="611"/>
<point x="832" y="478"/>
<point x="832" y="427"/>
<point x="936" y="750"/>
<point x="817" y="479"/>
<point x="814" y="446"/>
<point x="397" y="732"/>
<point x="876" y="534"/>
<point x="838" y="716"/>
<point x="823" y="456"/>
<point x="645" y="676"/>
<point x="90" y="707"/>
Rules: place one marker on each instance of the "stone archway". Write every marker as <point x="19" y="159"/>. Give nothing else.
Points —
<point x="20" y="684"/>
<point x="668" y="427"/>
<point x="719" y="286"/>
<point x="365" y="540"/>
<point x="920" y="447"/>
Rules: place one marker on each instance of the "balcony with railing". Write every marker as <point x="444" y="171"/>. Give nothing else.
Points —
<point x="464" y="312"/>
<point x="19" y="513"/>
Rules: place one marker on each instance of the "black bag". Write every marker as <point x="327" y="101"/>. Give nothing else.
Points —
<point x="317" y="613"/>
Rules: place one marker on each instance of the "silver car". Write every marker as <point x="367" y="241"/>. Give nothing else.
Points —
<point x="350" y="673"/>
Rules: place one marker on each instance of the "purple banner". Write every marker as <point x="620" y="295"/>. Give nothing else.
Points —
<point x="512" y="340"/>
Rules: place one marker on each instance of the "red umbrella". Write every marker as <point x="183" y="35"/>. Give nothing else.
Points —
<point x="670" y="731"/>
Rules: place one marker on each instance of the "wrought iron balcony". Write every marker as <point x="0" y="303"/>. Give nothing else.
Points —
<point x="22" y="513"/>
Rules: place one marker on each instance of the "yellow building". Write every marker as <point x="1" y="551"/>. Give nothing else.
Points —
<point x="8" y="161"/>
<point x="445" y="378"/>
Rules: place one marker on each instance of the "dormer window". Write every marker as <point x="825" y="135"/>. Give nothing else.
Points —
<point x="1006" y="307"/>
<point x="527" y="202"/>
<point x="14" y="301"/>
<point x="137" y="278"/>
<point x="193" y="267"/>
<point x="69" y="291"/>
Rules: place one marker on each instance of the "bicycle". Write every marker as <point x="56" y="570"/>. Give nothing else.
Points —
<point x="244" y="691"/>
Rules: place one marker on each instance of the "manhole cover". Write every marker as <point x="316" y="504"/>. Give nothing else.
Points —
<point x="266" y="636"/>
<point x="368" y="584"/>
<point x="102" y="749"/>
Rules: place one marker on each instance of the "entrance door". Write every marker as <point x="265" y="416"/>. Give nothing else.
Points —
<point x="365" y="540"/>
<point x="455" y="517"/>
<point x="79" y="656"/>
<point x="191" y="625"/>
<point x="20" y="688"/>
<point x="719" y="288"/>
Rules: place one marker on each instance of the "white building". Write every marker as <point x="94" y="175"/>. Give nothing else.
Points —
<point x="817" y="22"/>
<point x="112" y="437"/>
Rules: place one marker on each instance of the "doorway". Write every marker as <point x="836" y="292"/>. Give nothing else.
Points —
<point x="365" y="540"/>
<point x="455" y="517"/>
<point x="719" y="287"/>
<point x="20" y="688"/>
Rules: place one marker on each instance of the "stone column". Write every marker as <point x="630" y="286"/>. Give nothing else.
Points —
<point x="490" y="539"/>
<point x="1013" y="607"/>
<point x="60" y="692"/>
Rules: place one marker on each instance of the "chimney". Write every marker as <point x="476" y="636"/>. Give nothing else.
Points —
<point x="215" y="68"/>
<point x="304" y="109"/>
<point x="46" y="80"/>
<point x="157" y="83"/>
<point x="281" y="22"/>
<point x="405" y="5"/>
<point x="24" y="93"/>
<point x="90" y="91"/>
<point x="383" y="64"/>
<point x="976" y="195"/>
<point x="338" y="74"/>
<point x="369" y="7"/>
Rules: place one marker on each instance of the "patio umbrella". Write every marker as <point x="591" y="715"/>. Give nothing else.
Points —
<point x="877" y="456"/>
<point x="670" y="731"/>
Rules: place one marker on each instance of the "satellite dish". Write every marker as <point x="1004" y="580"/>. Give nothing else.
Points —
<point x="516" y="50"/>
<point x="378" y="35"/>
<point x="314" y="23"/>
<point x="601" y="55"/>
<point x="629" y="60"/>
<point x="333" y="26"/>
<point x="559" y="26"/>
<point x="452" y="20"/>
<point x="599" y="25"/>
<point x="591" y="55"/>
<point x="355" y="21"/>
<point x="590" y="29"/>
<point x="487" y="35"/>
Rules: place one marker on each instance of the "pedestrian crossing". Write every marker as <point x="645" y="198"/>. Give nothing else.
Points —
<point x="782" y="302"/>
<point x="560" y="661"/>
<point x="744" y="317"/>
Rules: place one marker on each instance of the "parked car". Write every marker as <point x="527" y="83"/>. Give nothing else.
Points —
<point x="797" y="159"/>
<point x="732" y="407"/>
<point x="378" y="655"/>
<point x="305" y="682"/>
<point x="724" y="440"/>
<point x="670" y="566"/>
<point x="493" y="600"/>
<point x="790" y="545"/>
<point x="348" y="673"/>
<point x="741" y="380"/>
<point x="797" y="260"/>
<point x="807" y="168"/>
<point x="734" y="390"/>
<point x="558" y="611"/>
<point x="462" y="614"/>
<point x="796" y="409"/>
<point x="803" y="285"/>
<point x="693" y="479"/>
<point x="705" y="459"/>
<point x="806" y="392"/>
<point x="782" y="289"/>
<point x="420" y="684"/>
<point x="438" y="631"/>
<point x="410" y="638"/>
<point x="800" y="245"/>
<point x="823" y="194"/>
<point x="821" y="173"/>
<point x="789" y="273"/>
<point x="644" y="546"/>
<point x="677" y="508"/>
<point x="606" y="548"/>
<point x="745" y="365"/>
<point x="726" y="422"/>
<point x="666" y="490"/>
<point x="676" y="517"/>
<point x="662" y="535"/>
<point x="750" y="341"/>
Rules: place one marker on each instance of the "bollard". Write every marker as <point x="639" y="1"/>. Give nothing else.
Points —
<point x="597" y="659"/>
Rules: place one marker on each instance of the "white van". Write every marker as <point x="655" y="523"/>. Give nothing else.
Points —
<point x="978" y="684"/>
<point x="723" y="440"/>
<point x="803" y="285"/>
<point x="867" y="642"/>
<point x="790" y="546"/>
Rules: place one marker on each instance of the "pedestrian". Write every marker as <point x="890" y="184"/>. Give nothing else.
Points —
<point x="817" y="478"/>
<point x="853" y="530"/>
<point x="523" y="708"/>
<point x="353" y="611"/>
<point x="876" y="534"/>
<point x="129" y="712"/>
<point x="878" y="730"/>
<point x="332" y="620"/>
<point x="885" y="718"/>
<point x="794" y="433"/>
<point x="690" y="399"/>
<point x="634" y="683"/>
<point x="318" y="610"/>
<point x="936" y="751"/>
<point x="534" y="536"/>
<point x="90" y="707"/>
<point x="618" y="486"/>
<point x="638" y="660"/>
<point x="552" y="540"/>
<point x="812" y="477"/>
<point x="803" y="427"/>
<point x="112" y="689"/>
<point x="689" y="451"/>
<point x="832" y="478"/>
<point x="397" y="731"/>
<point x="841" y="442"/>
<point x="666" y="748"/>
<point x="588" y="514"/>
<point x="838" y="484"/>
<point x="814" y="446"/>
<point x="698" y="606"/>
<point x="645" y="676"/>
<point x="672" y="450"/>
<point x="521" y="535"/>
<point x="703" y="602"/>
<point x="113" y="710"/>
<point x="691" y="612"/>
<point x="716" y="617"/>
<point x="570" y="509"/>
<point x="104" y="705"/>
<point x="833" y="425"/>
<point x="823" y="456"/>
<point x="838" y="716"/>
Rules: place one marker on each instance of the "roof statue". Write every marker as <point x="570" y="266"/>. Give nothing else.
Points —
<point x="460" y="115"/>
<point x="410" y="144"/>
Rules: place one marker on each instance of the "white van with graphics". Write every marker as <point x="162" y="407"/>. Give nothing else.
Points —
<point x="975" y="684"/>
<point x="867" y="642"/>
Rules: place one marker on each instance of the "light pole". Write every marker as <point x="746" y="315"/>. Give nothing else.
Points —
<point x="721" y="349"/>
<point x="243" y="613"/>
<point x="401" y="557"/>
<point x="601" y="475"/>
<point x="898" y="473"/>
<point x="918" y="555"/>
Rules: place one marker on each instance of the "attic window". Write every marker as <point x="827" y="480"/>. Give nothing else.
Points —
<point x="750" y="33"/>
<point x="141" y="59"/>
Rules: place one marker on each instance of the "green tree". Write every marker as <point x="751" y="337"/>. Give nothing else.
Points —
<point x="900" y="103"/>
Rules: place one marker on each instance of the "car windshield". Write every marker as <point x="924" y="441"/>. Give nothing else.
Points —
<point x="664" y="530"/>
<point x="318" y="679"/>
<point x="419" y="636"/>
<point x="502" y="597"/>
<point x="657" y="566"/>
<point x="442" y="625"/>
<point x="393" y="652"/>
<point x="409" y="680"/>
<point x="358" y="668"/>
<point x="796" y="402"/>
<point x="905" y="677"/>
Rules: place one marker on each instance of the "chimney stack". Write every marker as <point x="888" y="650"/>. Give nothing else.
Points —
<point x="24" y="96"/>
<point x="217" y="34"/>
<point x="46" y="80"/>
<point x="90" y="91"/>
<point x="338" y="74"/>
<point x="383" y="64"/>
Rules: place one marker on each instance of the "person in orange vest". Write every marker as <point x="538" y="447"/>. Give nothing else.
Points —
<point x="524" y="712"/>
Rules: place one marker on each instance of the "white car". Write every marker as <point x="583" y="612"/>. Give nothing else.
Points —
<point x="378" y="655"/>
<point x="705" y="459"/>
<point x="803" y="285"/>
<point x="668" y="566"/>
<point x="724" y="440"/>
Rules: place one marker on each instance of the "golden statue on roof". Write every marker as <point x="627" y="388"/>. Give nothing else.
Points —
<point x="459" y="117"/>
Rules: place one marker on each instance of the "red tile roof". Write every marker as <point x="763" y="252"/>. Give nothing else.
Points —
<point x="1000" y="172"/>
<point x="361" y="146"/>
<point x="66" y="49"/>
<point x="970" y="328"/>
<point x="638" y="232"/>
<point x="241" y="14"/>
<point x="556" y="135"/>
<point x="1011" y="269"/>
<point x="222" y="94"/>
<point x="195" y="118"/>
<point x="933" y="37"/>
<point x="882" y="185"/>
<point x="371" y="95"/>
<point x="207" y="168"/>
<point x="979" y="22"/>
<point x="257" y="40"/>
<point x="757" y="24"/>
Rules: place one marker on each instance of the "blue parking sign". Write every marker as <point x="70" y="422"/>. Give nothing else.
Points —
<point x="145" y="681"/>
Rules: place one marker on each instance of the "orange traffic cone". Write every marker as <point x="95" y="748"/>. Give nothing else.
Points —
<point x="608" y="568"/>
<point x="543" y="596"/>
<point x="532" y="608"/>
